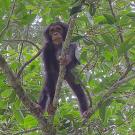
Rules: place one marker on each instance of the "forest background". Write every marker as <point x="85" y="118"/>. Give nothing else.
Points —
<point x="105" y="33"/>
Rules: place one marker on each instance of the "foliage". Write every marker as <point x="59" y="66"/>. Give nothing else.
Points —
<point x="106" y="42"/>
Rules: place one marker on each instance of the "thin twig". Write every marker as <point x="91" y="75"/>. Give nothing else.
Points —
<point x="111" y="90"/>
<point x="22" y="45"/>
<point x="119" y="32"/>
<point x="28" y="62"/>
<point x="27" y="131"/>
<point x="120" y="124"/>
<point x="8" y="22"/>
<point x="88" y="63"/>
<point x="23" y="40"/>
<point x="129" y="68"/>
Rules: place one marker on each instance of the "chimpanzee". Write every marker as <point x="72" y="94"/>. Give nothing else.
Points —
<point x="55" y="35"/>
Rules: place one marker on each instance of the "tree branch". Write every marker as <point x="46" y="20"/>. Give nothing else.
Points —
<point x="23" y="40"/>
<point x="111" y="90"/>
<point x="28" y="62"/>
<point x="62" y="67"/>
<point x="29" y="104"/>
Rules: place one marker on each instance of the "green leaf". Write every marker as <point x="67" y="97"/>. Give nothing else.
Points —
<point x="88" y="42"/>
<point x="133" y="124"/>
<point x="3" y="104"/>
<point x="131" y="14"/>
<point x="18" y="115"/>
<point x="30" y="121"/>
<point x="76" y="38"/>
<point x="12" y="97"/>
<point x="28" y="19"/>
<point x="108" y="55"/>
<point x="2" y="111"/>
<point x="107" y="38"/>
<point x="127" y="44"/>
<point x="124" y="20"/>
<point x="20" y="10"/>
<point x="100" y="20"/>
<point x="32" y="67"/>
<point x="102" y="112"/>
<point x="110" y="19"/>
<point x="122" y="101"/>
<point x="5" y="4"/>
<point x="6" y="93"/>
<point x="83" y="57"/>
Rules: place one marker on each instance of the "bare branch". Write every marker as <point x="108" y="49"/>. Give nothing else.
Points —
<point x="28" y="62"/>
<point x="20" y="40"/>
<point x="22" y="44"/>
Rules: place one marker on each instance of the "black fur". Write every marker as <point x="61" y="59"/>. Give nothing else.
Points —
<point x="52" y="71"/>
